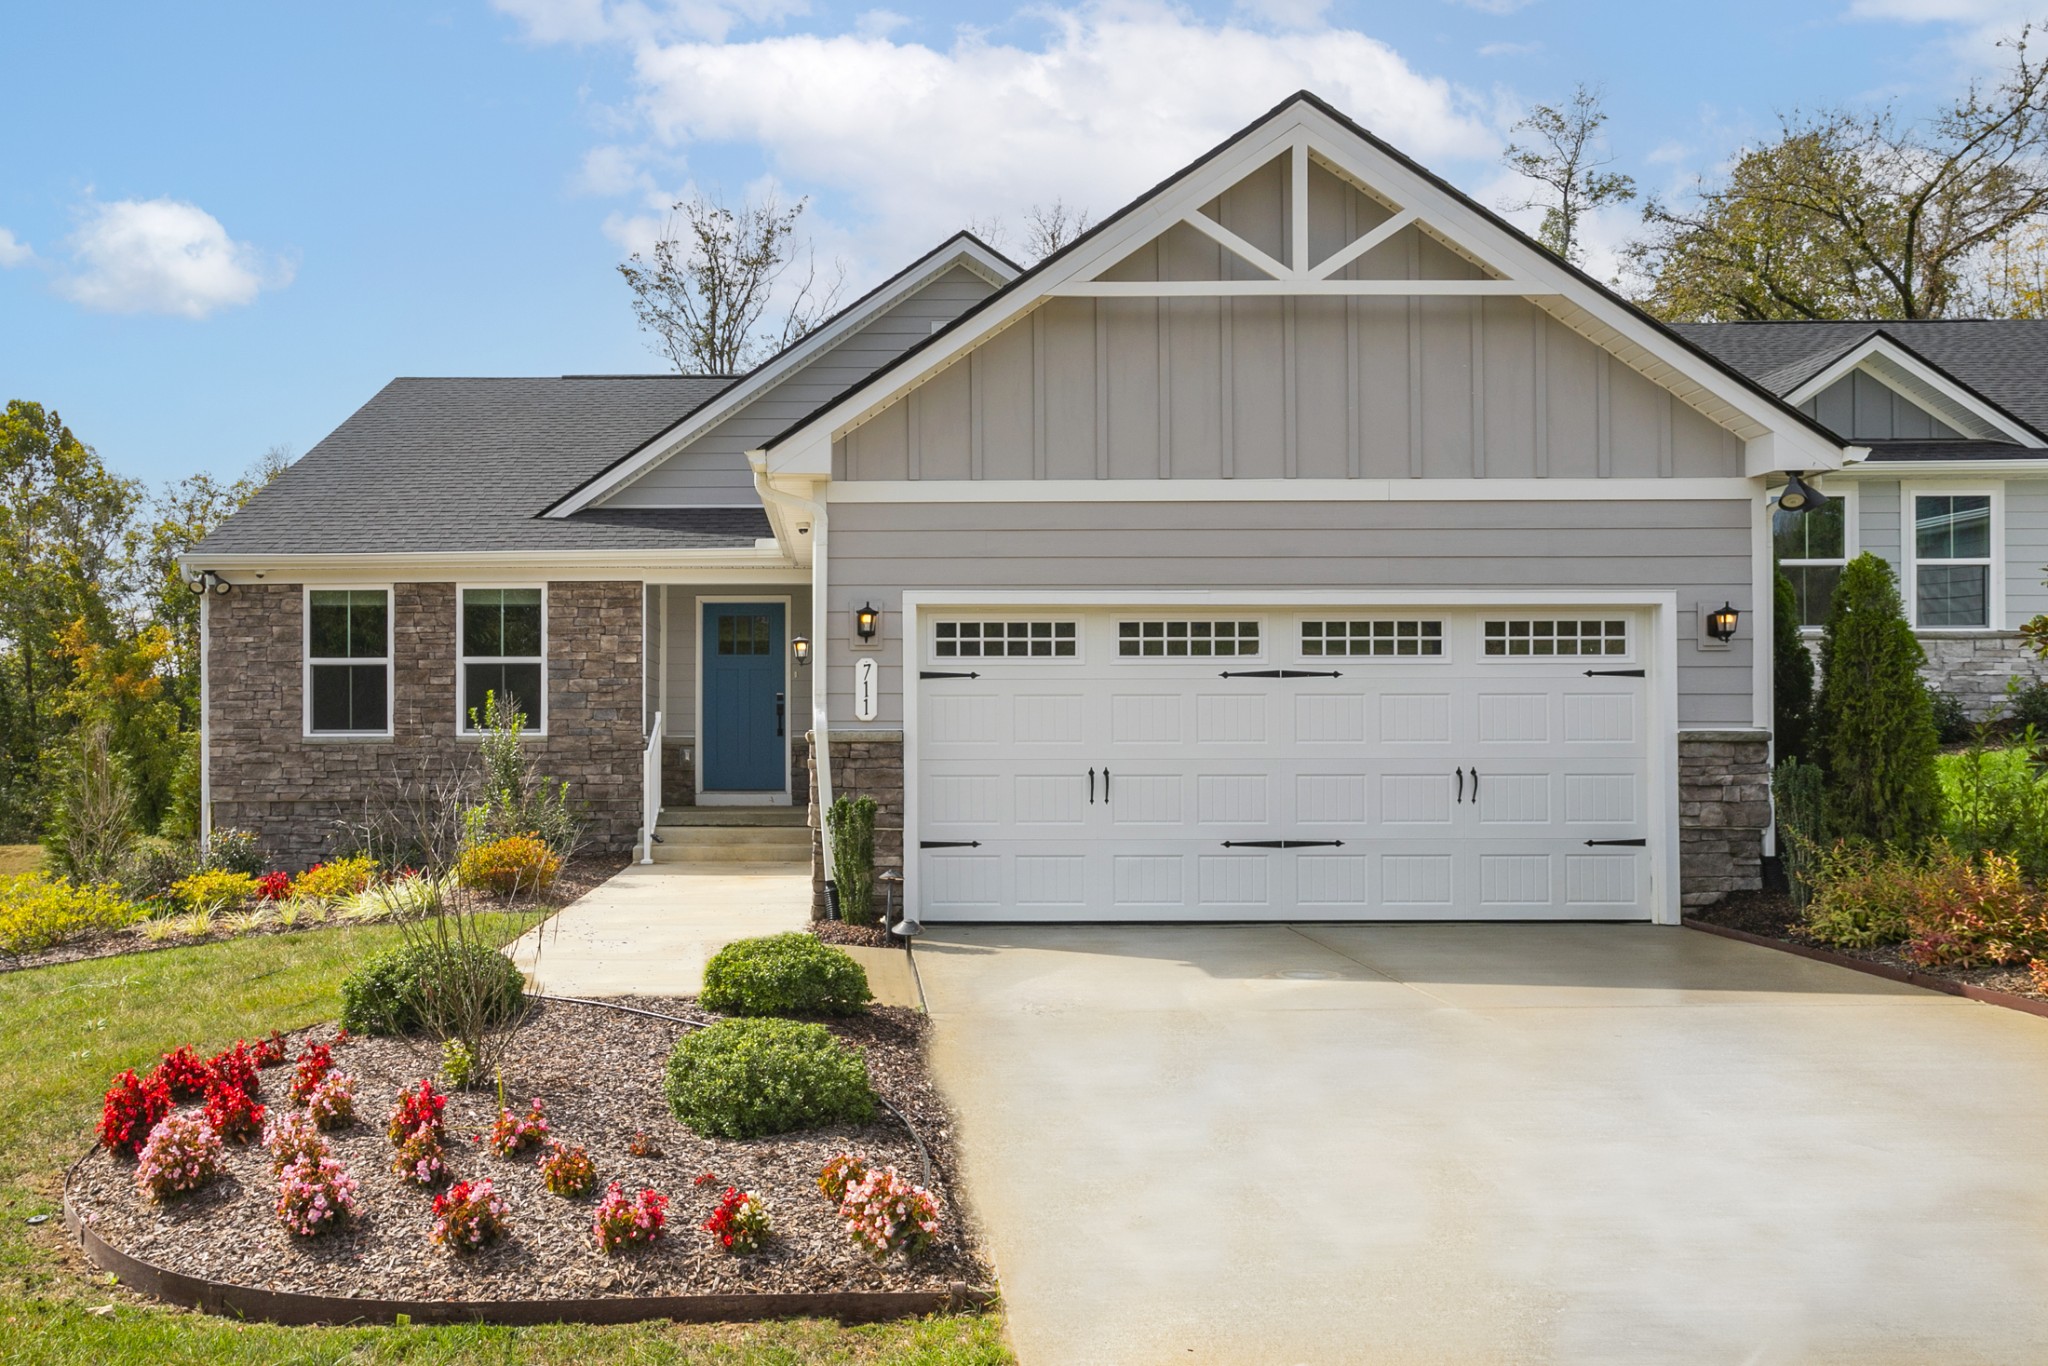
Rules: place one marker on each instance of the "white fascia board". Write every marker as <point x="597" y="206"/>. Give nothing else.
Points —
<point x="1298" y="597"/>
<point x="409" y="567"/>
<point x="1791" y="450"/>
<point x="1936" y="469"/>
<point x="971" y="255"/>
<point x="1905" y="373"/>
<point x="1630" y="337"/>
<point x="1287" y="490"/>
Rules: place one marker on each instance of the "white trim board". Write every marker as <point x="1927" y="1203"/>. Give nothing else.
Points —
<point x="539" y="732"/>
<point x="343" y="570"/>
<point x="1285" y="490"/>
<point x="306" y="731"/>
<point x="1909" y="559"/>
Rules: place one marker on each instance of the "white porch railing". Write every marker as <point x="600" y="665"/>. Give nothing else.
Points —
<point x="650" y="790"/>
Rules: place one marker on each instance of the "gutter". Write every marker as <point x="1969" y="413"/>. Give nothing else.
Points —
<point x="821" y="747"/>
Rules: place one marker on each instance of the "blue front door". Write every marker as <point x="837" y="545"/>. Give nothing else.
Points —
<point x="746" y="717"/>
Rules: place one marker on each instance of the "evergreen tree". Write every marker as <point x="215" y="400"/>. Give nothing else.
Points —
<point x="1877" y="722"/>
<point x="1791" y="679"/>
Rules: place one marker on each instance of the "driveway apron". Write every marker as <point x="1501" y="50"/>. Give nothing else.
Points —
<point x="1477" y="1144"/>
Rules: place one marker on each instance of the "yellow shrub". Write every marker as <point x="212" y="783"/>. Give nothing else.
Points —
<point x="37" y="912"/>
<point x="343" y="877"/>
<point x="213" y="889"/>
<point x="518" y="863"/>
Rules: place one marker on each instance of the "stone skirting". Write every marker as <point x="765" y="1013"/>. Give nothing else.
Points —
<point x="865" y="763"/>
<point x="1724" y="810"/>
<point x="1974" y="668"/>
<point x="296" y="793"/>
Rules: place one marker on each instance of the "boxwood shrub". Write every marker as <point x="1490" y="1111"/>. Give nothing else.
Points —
<point x="385" y="994"/>
<point x="749" y="1078"/>
<point x="784" y="974"/>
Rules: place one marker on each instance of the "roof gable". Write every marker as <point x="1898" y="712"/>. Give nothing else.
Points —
<point x="1327" y="161"/>
<point x="1841" y="390"/>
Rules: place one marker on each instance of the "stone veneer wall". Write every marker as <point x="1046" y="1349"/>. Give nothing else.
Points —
<point x="865" y="763"/>
<point x="1724" y="808"/>
<point x="1974" y="668"/>
<point x="294" y="792"/>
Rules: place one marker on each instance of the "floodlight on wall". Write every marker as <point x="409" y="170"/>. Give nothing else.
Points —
<point x="1721" y="624"/>
<point x="1799" y="496"/>
<point x="208" y="579"/>
<point x="867" y="621"/>
<point x="801" y="648"/>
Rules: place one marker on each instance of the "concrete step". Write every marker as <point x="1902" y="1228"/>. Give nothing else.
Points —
<point x="775" y="855"/>
<point x="789" y="836"/>
<point x="709" y="816"/>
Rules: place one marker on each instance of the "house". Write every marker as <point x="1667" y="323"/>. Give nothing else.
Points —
<point x="1301" y="542"/>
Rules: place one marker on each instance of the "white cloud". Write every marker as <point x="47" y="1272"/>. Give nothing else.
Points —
<point x="13" y="251"/>
<point x="164" y="256"/>
<point x="592" y="21"/>
<point x="879" y="23"/>
<point x="1284" y="13"/>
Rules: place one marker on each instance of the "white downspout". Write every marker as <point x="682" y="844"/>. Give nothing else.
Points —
<point x="821" y="621"/>
<point x="205" y="725"/>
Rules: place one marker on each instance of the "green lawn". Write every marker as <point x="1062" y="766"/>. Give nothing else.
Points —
<point x="20" y="858"/>
<point x="67" y="1029"/>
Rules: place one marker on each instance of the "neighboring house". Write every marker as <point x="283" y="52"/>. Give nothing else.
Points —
<point x="1953" y="492"/>
<point x="1301" y="542"/>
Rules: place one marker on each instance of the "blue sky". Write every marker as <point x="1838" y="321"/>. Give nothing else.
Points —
<point x="223" y="227"/>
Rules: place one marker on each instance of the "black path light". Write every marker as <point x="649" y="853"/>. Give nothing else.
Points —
<point x="1721" y="624"/>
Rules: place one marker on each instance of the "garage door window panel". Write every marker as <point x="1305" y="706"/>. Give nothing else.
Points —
<point x="1372" y="639"/>
<point x="1555" y="638"/>
<point x="1006" y="640"/>
<point x="1187" y="639"/>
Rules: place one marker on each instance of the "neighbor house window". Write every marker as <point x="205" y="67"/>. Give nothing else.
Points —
<point x="503" y="654"/>
<point x="348" y="661"/>
<point x="1812" y="547"/>
<point x="1952" y="559"/>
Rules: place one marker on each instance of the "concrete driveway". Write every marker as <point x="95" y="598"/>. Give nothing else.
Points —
<point x="1474" y="1144"/>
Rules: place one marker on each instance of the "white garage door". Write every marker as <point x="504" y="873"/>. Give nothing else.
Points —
<point x="1147" y="765"/>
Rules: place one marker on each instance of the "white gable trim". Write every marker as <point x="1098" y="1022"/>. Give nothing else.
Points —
<point x="1906" y="374"/>
<point x="960" y="251"/>
<point x="1776" y="440"/>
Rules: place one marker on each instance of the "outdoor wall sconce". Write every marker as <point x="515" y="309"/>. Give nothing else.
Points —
<point x="866" y="621"/>
<point x="1799" y="496"/>
<point x="801" y="648"/>
<point x="200" y="582"/>
<point x="1721" y="624"/>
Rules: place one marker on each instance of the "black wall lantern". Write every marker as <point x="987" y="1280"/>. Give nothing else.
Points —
<point x="866" y="621"/>
<point x="1799" y="496"/>
<point x="199" y="583"/>
<point x="801" y="648"/>
<point x="1721" y="624"/>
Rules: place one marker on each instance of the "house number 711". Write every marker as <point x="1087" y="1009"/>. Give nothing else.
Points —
<point x="867" y="686"/>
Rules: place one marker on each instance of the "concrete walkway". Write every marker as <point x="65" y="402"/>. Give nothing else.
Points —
<point x="1470" y="1144"/>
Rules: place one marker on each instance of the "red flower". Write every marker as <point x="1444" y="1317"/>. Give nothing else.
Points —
<point x="184" y="1073"/>
<point x="133" y="1107"/>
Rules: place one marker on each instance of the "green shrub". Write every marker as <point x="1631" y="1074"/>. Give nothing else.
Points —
<point x="749" y="1078"/>
<point x="1995" y="800"/>
<point x="784" y="974"/>
<point x="1864" y="896"/>
<point x="852" y="820"/>
<point x="388" y="993"/>
<point x="38" y="912"/>
<point x="153" y="864"/>
<point x="1877" y="724"/>
<point x="1796" y="791"/>
<point x="1791" y="678"/>
<point x="213" y="889"/>
<point x="233" y="851"/>
<point x="2028" y="703"/>
<point x="1952" y="724"/>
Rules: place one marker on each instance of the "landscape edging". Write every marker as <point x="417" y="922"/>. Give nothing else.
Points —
<point x="1987" y="995"/>
<point x="293" y="1309"/>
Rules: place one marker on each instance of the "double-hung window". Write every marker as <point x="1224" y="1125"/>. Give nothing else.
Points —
<point x="503" y="653"/>
<point x="1952" y="553"/>
<point x="348" y="661"/>
<point x="1812" y="548"/>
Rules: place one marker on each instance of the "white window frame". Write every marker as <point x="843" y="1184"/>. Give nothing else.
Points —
<point x="306" y="660"/>
<point x="1848" y="495"/>
<point x="1445" y="641"/>
<point x="1264" y="622"/>
<point x="463" y="729"/>
<point x="1909" y="550"/>
<point x="931" y="640"/>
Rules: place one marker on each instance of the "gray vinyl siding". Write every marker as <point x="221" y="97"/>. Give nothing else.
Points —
<point x="712" y="470"/>
<point x="1699" y="548"/>
<point x="685" y="627"/>
<point x="1877" y="521"/>
<point x="1862" y="407"/>
<point x="2026" y="550"/>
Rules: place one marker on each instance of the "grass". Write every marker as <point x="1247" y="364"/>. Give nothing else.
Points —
<point x="69" y="1028"/>
<point x="20" y="858"/>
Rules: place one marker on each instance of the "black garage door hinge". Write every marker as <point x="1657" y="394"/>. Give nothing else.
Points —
<point x="934" y="673"/>
<point x="1614" y="673"/>
<point x="1281" y="673"/>
<point x="1632" y="844"/>
<point x="949" y="844"/>
<point x="1283" y="844"/>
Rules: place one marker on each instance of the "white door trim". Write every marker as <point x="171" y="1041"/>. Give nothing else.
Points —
<point x="765" y="797"/>
<point x="1659" y="655"/>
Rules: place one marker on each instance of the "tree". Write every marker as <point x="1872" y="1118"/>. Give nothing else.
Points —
<point x="1563" y="156"/>
<point x="1047" y="229"/>
<point x="705" y="287"/>
<point x="1791" y="678"/>
<point x="1853" y="215"/>
<point x="1877" y="722"/>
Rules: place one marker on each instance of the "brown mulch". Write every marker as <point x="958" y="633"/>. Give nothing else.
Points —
<point x="575" y="879"/>
<point x="839" y="932"/>
<point x="599" y="1073"/>
<point x="1773" y="916"/>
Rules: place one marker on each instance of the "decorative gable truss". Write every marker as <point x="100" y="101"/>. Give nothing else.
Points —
<point x="1305" y="204"/>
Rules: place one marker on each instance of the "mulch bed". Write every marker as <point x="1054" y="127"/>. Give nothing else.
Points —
<point x="839" y="932"/>
<point x="598" y="1073"/>
<point x="575" y="879"/>
<point x="1773" y="916"/>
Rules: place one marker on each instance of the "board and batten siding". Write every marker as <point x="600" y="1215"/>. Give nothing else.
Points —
<point x="1700" y="548"/>
<point x="712" y="471"/>
<point x="2026" y="550"/>
<point x="1862" y="407"/>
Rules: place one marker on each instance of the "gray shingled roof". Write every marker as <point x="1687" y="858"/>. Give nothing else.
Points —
<point x="2005" y="361"/>
<point x="439" y="465"/>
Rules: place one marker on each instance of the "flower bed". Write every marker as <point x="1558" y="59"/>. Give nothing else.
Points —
<point x="599" y="1074"/>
